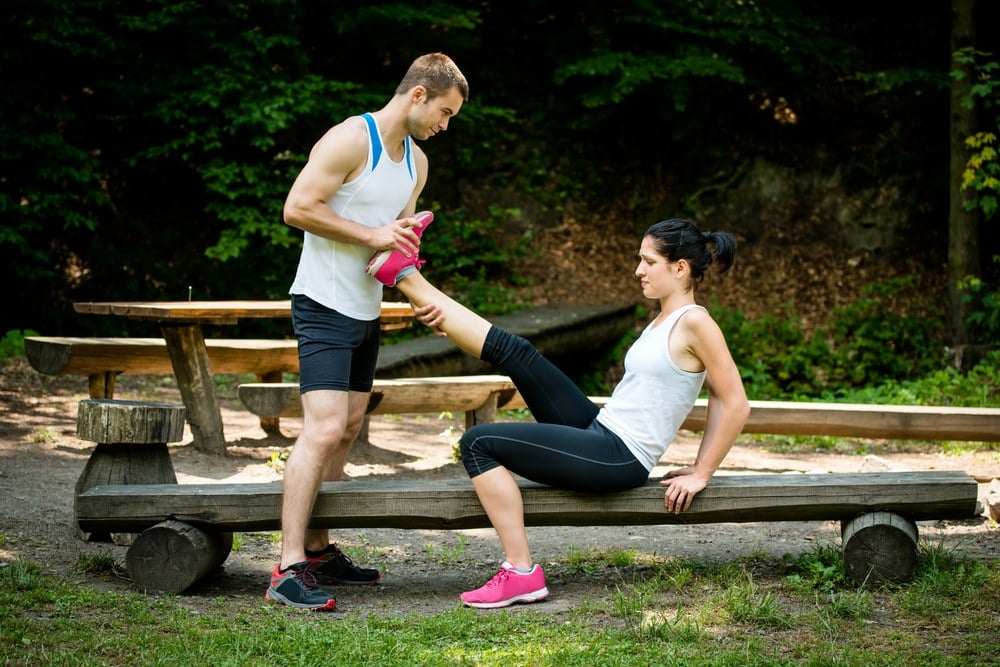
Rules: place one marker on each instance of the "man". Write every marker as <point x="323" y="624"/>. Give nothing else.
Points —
<point x="356" y="195"/>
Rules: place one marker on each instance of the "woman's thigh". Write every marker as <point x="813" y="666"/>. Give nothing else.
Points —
<point x="581" y="459"/>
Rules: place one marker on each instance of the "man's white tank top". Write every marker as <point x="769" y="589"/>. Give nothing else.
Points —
<point x="654" y="397"/>
<point x="333" y="272"/>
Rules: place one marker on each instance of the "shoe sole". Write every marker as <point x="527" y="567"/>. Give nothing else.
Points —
<point x="378" y="260"/>
<point x="526" y="598"/>
<point x="278" y="598"/>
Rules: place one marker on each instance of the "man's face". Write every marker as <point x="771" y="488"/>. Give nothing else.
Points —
<point x="428" y="117"/>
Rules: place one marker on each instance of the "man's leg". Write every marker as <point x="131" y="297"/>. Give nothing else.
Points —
<point x="294" y="582"/>
<point x="318" y="539"/>
<point x="326" y="416"/>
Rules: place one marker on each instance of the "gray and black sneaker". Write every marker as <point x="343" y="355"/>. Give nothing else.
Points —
<point x="332" y="566"/>
<point x="296" y="587"/>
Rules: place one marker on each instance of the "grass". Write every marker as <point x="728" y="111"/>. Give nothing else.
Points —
<point x="753" y="611"/>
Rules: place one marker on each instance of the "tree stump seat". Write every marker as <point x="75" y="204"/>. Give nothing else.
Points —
<point x="131" y="439"/>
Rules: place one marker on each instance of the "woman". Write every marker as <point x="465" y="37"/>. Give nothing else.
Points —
<point x="573" y="444"/>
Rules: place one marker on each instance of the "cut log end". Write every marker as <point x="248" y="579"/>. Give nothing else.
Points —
<point x="172" y="556"/>
<point x="133" y="422"/>
<point x="880" y="548"/>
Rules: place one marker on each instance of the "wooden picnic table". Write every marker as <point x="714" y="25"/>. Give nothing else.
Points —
<point x="181" y="325"/>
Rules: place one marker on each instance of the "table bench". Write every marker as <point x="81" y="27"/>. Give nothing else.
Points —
<point x="103" y="359"/>
<point x="478" y="396"/>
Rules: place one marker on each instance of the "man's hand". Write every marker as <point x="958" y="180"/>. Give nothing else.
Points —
<point x="430" y="315"/>
<point x="398" y="235"/>
<point x="682" y="485"/>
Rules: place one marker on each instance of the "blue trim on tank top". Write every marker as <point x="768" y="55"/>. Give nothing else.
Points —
<point x="375" y="139"/>
<point x="377" y="144"/>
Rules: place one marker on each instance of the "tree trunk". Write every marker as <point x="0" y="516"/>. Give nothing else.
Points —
<point x="963" y="225"/>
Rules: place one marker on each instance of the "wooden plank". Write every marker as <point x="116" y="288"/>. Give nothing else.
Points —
<point x="65" y="355"/>
<point x="896" y="422"/>
<point x="403" y="396"/>
<point x="452" y="504"/>
<point x="212" y="311"/>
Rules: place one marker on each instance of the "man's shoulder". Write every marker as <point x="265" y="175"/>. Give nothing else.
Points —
<point x="348" y="136"/>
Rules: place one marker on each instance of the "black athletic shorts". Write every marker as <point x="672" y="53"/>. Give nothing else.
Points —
<point x="335" y="351"/>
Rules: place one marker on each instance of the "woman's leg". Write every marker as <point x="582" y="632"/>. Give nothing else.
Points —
<point x="588" y="460"/>
<point x="501" y="499"/>
<point x="550" y="395"/>
<point x="465" y="328"/>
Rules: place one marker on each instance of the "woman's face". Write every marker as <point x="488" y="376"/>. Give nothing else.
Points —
<point x="655" y="272"/>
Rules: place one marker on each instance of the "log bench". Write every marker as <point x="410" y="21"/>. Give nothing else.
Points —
<point x="186" y="527"/>
<point x="916" y="422"/>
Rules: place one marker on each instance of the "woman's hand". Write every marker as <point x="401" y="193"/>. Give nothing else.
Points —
<point x="430" y="315"/>
<point x="682" y="485"/>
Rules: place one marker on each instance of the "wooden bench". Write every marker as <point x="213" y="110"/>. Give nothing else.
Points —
<point x="186" y="527"/>
<point x="918" y="422"/>
<point x="478" y="396"/>
<point x="103" y="359"/>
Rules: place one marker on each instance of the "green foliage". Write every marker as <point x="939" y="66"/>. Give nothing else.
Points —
<point x="863" y="344"/>
<point x="871" y="344"/>
<point x="714" y="618"/>
<point x="775" y="357"/>
<point x="983" y="319"/>
<point x="982" y="172"/>
<point x="472" y="258"/>
<point x="821" y="569"/>
<point x="12" y="343"/>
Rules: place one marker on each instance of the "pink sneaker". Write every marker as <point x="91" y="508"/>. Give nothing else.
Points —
<point x="507" y="587"/>
<point x="385" y="265"/>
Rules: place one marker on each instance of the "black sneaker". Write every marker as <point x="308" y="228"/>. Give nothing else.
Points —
<point x="296" y="587"/>
<point x="331" y="566"/>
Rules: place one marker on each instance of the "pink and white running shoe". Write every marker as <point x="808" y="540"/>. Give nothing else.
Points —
<point x="385" y="265"/>
<point x="507" y="587"/>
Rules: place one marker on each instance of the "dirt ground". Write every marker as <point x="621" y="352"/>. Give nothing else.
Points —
<point x="423" y="570"/>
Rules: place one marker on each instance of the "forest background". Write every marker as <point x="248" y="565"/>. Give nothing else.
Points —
<point x="148" y="147"/>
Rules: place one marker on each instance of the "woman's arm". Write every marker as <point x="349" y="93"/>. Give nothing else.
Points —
<point x="728" y="410"/>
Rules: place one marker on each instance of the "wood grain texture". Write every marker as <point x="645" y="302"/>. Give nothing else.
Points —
<point x="213" y="311"/>
<point x="452" y="504"/>
<point x="133" y="422"/>
<point x="66" y="355"/>
<point x="411" y="395"/>
<point x="879" y="548"/>
<point x="172" y="556"/>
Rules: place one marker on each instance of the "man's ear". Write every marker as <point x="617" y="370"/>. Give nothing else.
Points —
<point x="418" y="94"/>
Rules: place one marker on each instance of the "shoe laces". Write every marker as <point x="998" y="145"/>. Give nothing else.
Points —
<point x="498" y="578"/>
<point x="305" y="576"/>
<point x="337" y="554"/>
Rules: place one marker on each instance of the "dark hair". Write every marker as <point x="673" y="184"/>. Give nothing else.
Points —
<point x="437" y="73"/>
<point x="678" y="239"/>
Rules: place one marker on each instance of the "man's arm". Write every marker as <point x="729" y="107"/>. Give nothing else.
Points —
<point x="338" y="156"/>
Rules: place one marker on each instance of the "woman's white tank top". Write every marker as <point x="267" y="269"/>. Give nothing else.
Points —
<point x="654" y="397"/>
<point x="333" y="272"/>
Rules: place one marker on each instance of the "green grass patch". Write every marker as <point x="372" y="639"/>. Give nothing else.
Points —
<point x="658" y="610"/>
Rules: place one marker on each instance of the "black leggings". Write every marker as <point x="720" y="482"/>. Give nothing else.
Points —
<point x="567" y="447"/>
